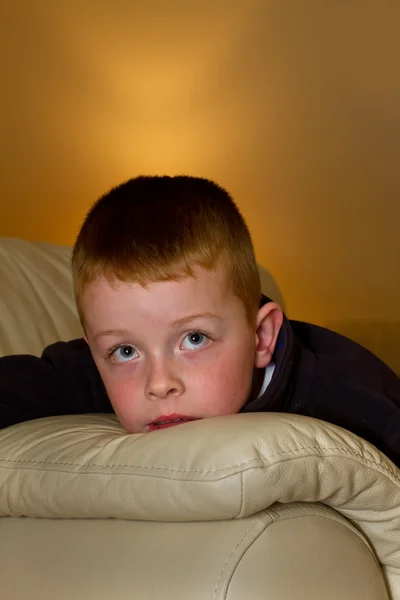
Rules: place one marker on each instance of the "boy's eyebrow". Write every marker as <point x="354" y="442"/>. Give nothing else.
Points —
<point x="121" y="332"/>
<point x="205" y="315"/>
<point x="182" y="321"/>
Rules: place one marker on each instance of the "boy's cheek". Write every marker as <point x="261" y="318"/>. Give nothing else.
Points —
<point x="225" y="391"/>
<point x="122" y="396"/>
<point x="127" y="411"/>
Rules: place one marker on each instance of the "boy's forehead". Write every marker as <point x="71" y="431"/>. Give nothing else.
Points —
<point x="207" y="292"/>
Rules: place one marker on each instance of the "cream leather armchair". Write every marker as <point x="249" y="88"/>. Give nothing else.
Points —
<point x="249" y="507"/>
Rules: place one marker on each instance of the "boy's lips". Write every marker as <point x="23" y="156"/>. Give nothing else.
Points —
<point x="164" y="421"/>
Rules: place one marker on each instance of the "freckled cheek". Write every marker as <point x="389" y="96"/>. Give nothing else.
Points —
<point x="224" y="387"/>
<point x="122" y="392"/>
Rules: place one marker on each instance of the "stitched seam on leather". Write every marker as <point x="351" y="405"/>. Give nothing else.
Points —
<point x="329" y="516"/>
<point x="241" y="493"/>
<point x="233" y="552"/>
<point x="342" y="452"/>
<point x="347" y="525"/>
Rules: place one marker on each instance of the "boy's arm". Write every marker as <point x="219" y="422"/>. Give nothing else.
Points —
<point x="348" y="386"/>
<point x="369" y="414"/>
<point x="64" y="380"/>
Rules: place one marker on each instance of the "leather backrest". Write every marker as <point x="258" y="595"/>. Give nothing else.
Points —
<point x="36" y="301"/>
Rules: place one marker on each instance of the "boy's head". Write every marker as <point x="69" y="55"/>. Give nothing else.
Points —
<point x="168" y="292"/>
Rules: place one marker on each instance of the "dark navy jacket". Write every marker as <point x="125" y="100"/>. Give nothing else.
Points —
<point x="318" y="373"/>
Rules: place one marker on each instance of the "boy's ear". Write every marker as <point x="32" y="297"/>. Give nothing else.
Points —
<point x="268" y="324"/>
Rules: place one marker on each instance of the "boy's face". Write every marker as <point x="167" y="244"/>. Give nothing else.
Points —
<point x="175" y="350"/>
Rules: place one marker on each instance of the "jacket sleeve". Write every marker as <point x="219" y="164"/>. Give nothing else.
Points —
<point x="372" y="415"/>
<point x="352" y="388"/>
<point x="65" y="380"/>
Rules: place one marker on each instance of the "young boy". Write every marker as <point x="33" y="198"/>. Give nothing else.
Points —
<point x="176" y="329"/>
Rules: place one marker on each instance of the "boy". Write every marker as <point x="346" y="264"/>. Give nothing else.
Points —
<point x="168" y="293"/>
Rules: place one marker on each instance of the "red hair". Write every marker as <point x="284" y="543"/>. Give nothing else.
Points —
<point x="153" y="229"/>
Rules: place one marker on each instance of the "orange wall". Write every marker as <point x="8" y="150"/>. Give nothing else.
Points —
<point x="293" y="107"/>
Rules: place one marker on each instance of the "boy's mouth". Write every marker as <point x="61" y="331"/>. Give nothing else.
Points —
<point x="164" y="421"/>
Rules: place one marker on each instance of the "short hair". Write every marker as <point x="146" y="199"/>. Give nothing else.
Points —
<point x="157" y="228"/>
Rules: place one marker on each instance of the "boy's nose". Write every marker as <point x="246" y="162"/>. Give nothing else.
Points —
<point x="163" y="382"/>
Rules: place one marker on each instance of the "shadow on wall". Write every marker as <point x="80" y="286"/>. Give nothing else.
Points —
<point x="380" y="337"/>
<point x="270" y="288"/>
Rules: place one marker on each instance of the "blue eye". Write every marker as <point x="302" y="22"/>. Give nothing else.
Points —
<point x="124" y="353"/>
<point x="195" y="339"/>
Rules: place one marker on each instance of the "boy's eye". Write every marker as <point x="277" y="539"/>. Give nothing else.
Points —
<point x="195" y="339"/>
<point x="124" y="353"/>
